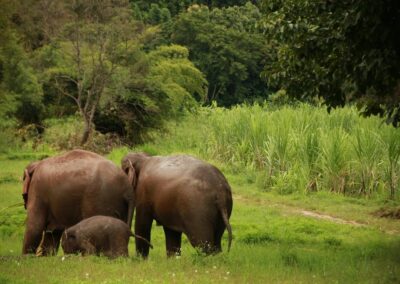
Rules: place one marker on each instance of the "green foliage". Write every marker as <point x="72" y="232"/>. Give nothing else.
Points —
<point x="176" y="76"/>
<point x="158" y="15"/>
<point x="37" y="22"/>
<point x="296" y="149"/>
<point x="20" y="92"/>
<point x="19" y="87"/>
<point x="341" y="51"/>
<point x="50" y="62"/>
<point x="149" y="89"/>
<point x="95" y="66"/>
<point x="151" y="11"/>
<point x="226" y="45"/>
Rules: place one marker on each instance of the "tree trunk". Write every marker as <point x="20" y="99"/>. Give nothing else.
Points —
<point x="86" y="132"/>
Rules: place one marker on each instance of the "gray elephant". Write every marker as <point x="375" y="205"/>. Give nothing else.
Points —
<point x="98" y="235"/>
<point x="61" y="191"/>
<point x="184" y="195"/>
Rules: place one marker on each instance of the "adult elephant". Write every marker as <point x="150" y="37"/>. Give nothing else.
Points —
<point x="61" y="191"/>
<point x="184" y="195"/>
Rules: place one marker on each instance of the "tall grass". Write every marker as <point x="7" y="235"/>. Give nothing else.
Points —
<point x="301" y="148"/>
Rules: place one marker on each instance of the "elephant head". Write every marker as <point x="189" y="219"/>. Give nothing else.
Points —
<point x="131" y="165"/>
<point x="70" y="243"/>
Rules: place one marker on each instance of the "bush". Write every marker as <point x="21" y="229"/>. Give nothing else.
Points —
<point x="66" y="133"/>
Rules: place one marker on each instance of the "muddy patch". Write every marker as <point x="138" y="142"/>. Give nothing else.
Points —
<point x="391" y="213"/>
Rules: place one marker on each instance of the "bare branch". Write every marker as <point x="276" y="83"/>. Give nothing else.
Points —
<point x="62" y="91"/>
<point x="68" y="78"/>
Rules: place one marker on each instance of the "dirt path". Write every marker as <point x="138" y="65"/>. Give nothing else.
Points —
<point x="290" y="209"/>
<point x="330" y="218"/>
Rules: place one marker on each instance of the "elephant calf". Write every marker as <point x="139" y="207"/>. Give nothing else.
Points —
<point x="97" y="235"/>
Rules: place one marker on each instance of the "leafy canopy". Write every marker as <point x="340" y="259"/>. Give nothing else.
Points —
<point x="227" y="46"/>
<point x="342" y="51"/>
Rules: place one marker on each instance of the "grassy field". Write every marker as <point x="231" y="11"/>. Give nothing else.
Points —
<point x="321" y="236"/>
<point x="273" y="242"/>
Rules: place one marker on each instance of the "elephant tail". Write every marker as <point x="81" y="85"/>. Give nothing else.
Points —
<point x="141" y="238"/>
<point x="228" y="226"/>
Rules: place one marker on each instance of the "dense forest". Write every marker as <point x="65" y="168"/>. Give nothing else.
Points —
<point x="123" y="68"/>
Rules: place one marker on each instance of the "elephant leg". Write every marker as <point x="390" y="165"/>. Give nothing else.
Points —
<point x="217" y="238"/>
<point x="202" y="238"/>
<point x="143" y="222"/>
<point x="117" y="252"/>
<point x="35" y="225"/>
<point x="118" y="247"/>
<point x="88" y="248"/>
<point x="173" y="242"/>
<point x="50" y="242"/>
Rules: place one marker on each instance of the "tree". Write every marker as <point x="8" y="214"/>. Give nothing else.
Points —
<point x="158" y="15"/>
<point x="342" y="51"/>
<point x="38" y="21"/>
<point x="144" y="7"/>
<point x="227" y="46"/>
<point x="90" y="47"/>
<point x="148" y="90"/>
<point x="176" y="76"/>
<point x="20" y="92"/>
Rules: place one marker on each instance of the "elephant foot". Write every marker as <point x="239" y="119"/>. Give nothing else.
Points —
<point x="173" y="240"/>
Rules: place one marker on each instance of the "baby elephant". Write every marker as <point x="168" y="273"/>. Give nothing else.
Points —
<point x="98" y="235"/>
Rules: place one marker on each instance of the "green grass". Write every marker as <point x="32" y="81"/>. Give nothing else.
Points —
<point x="272" y="243"/>
<point x="279" y="163"/>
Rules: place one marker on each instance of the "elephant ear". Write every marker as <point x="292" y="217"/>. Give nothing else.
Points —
<point x="28" y="173"/>
<point x="131" y="174"/>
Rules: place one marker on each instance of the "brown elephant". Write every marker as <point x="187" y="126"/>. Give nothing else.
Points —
<point x="61" y="191"/>
<point x="184" y="195"/>
<point x="98" y="235"/>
